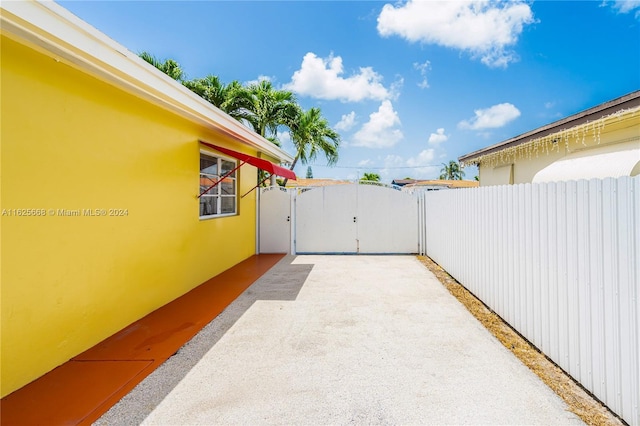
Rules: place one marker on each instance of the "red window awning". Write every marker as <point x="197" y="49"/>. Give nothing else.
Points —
<point x="255" y="161"/>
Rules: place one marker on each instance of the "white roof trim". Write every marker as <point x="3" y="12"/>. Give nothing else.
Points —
<point x="53" y="29"/>
<point x="591" y="164"/>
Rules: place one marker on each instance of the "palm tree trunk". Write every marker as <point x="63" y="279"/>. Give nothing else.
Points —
<point x="295" y="160"/>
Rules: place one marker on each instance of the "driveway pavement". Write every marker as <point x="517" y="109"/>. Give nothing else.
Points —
<point x="343" y="340"/>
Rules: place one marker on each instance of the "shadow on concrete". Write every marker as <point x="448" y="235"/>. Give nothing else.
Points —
<point x="282" y="282"/>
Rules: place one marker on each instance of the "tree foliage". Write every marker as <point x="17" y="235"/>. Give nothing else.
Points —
<point x="265" y="109"/>
<point x="168" y="66"/>
<point x="371" y="177"/>
<point x="311" y="134"/>
<point x="213" y="90"/>
<point x="451" y="171"/>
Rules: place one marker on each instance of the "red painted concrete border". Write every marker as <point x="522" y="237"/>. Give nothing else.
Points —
<point x="81" y="390"/>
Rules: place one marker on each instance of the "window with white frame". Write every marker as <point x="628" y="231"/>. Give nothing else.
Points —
<point x="221" y="199"/>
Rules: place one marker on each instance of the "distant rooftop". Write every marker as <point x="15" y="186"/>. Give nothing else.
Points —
<point x="407" y="183"/>
<point x="403" y="182"/>
<point x="315" y="182"/>
<point x="441" y="183"/>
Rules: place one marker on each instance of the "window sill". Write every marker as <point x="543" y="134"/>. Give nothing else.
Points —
<point x="218" y="216"/>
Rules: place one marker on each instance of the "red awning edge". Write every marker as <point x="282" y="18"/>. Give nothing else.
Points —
<point x="255" y="161"/>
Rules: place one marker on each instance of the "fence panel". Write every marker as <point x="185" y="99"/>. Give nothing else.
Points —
<point x="557" y="261"/>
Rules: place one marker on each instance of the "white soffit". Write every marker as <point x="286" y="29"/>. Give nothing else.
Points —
<point x="591" y="164"/>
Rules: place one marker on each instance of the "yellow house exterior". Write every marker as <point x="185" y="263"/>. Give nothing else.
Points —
<point x="603" y="141"/>
<point x="100" y="159"/>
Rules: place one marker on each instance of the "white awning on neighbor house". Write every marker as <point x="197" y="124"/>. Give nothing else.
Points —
<point x="596" y="163"/>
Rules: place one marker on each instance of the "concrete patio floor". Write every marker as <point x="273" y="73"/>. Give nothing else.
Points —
<point x="337" y="340"/>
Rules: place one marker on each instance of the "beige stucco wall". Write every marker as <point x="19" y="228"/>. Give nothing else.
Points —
<point x="619" y="135"/>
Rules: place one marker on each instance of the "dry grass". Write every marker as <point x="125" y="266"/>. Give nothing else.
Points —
<point x="580" y="402"/>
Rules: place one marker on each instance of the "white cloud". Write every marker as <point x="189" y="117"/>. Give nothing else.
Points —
<point x="364" y="163"/>
<point x="396" y="88"/>
<point x="419" y="167"/>
<point x="322" y="78"/>
<point x="549" y="105"/>
<point x="285" y="140"/>
<point x="258" y="80"/>
<point x="424" y="158"/>
<point x="352" y="176"/>
<point x="485" y="28"/>
<point x="492" y="117"/>
<point x="380" y="131"/>
<point x="626" y="6"/>
<point x="438" y="137"/>
<point x="423" y="165"/>
<point x="284" y="137"/>
<point x="423" y="68"/>
<point x="347" y="122"/>
<point x="393" y="160"/>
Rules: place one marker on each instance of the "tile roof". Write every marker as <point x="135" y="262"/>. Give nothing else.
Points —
<point x="315" y="182"/>
<point x="446" y="183"/>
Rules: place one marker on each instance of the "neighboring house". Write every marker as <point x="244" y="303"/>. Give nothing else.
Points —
<point x="603" y="141"/>
<point x="299" y="183"/>
<point x="438" y="184"/>
<point x="403" y="182"/>
<point x="102" y="160"/>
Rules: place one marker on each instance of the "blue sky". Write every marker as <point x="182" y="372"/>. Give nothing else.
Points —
<point x="408" y="85"/>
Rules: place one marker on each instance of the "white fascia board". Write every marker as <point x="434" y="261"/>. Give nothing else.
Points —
<point x="52" y="29"/>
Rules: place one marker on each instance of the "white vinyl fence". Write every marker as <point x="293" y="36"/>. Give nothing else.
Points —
<point x="560" y="263"/>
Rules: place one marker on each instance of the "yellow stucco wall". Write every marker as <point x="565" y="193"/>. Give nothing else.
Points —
<point x="622" y="134"/>
<point x="72" y="142"/>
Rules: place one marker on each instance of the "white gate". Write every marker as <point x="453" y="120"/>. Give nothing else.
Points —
<point x="340" y="219"/>
<point x="275" y="220"/>
<point x="326" y="220"/>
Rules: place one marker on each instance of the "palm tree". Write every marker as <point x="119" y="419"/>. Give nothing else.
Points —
<point x="371" y="177"/>
<point x="224" y="96"/>
<point x="209" y="88"/>
<point x="451" y="171"/>
<point x="265" y="108"/>
<point x="237" y="99"/>
<point x="311" y="134"/>
<point x="169" y="66"/>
